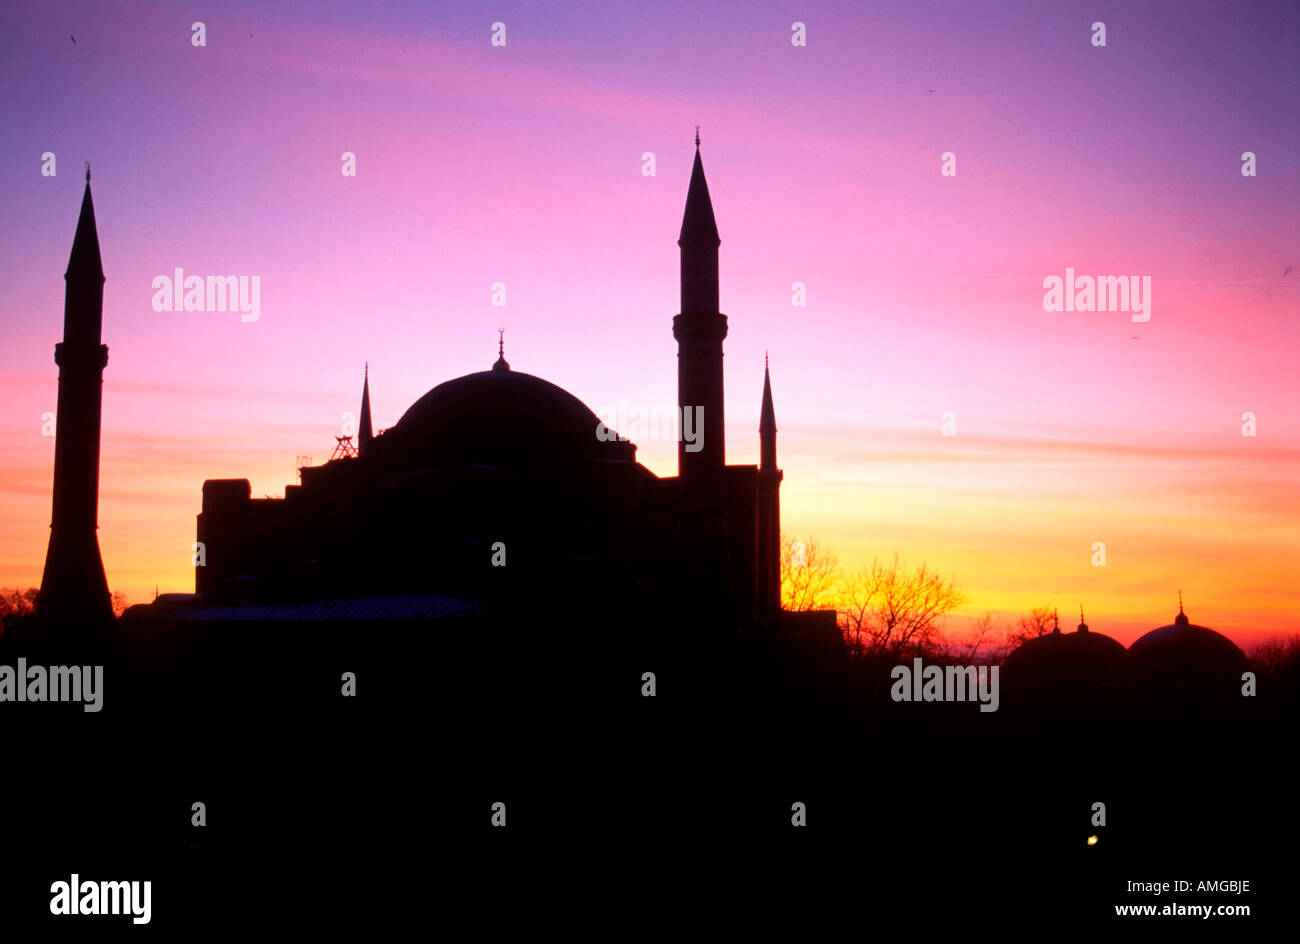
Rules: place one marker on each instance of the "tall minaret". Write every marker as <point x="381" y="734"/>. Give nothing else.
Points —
<point x="769" y="504"/>
<point x="365" y="431"/>
<point x="699" y="330"/>
<point x="74" y="591"/>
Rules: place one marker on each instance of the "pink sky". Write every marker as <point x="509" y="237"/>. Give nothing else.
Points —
<point x="522" y="165"/>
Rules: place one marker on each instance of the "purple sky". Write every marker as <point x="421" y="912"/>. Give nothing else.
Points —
<point x="522" y="164"/>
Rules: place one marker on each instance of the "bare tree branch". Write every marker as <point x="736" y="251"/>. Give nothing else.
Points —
<point x="891" y="607"/>
<point x="810" y="574"/>
<point x="1037" y="622"/>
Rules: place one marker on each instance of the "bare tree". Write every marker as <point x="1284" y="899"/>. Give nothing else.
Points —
<point x="1037" y="622"/>
<point x="810" y="574"/>
<point x="856" y="613"/>
<point x="892" y="607"/>
<point x="16" y="605"/>
<point x="120" y="603"/>
<point x="984" y="625"/>
<point x="1275" y="651"/>
<point x="15" y="602"/>
<point x="1276" y="662"/>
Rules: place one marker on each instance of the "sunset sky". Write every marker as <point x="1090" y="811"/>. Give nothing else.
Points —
<point x="523" y="164"/>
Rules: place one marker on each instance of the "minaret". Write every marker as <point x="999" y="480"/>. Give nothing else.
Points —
<point x="365" y="431"/>
<point x="74" y="591"/>
<point x="699" y="330"/>
<point x="769" y="504"/>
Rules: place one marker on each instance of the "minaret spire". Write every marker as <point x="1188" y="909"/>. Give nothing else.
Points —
<point x="767" y="422"/>
<point x="769" y="503"/>
<point x="74" y="590"/>
<point x="700" y="229"/>
<point x="365" y="429"/>
<point x="85" y="275"/>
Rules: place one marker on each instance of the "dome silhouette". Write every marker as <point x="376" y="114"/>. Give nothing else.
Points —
<point x="1183" y="656"/>
<point x="1064" y="665"/>
<point x="498" y="417"/>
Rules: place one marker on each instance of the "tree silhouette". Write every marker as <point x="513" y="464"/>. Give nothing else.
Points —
<point x="810" y="574"/>
<point x="1037" y="622"/>
<point x="984" y="625"/>
<point x="16" y="606"/>
<point x="890" y="607"/>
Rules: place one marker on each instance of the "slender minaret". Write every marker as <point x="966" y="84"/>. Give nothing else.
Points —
<point x="699" y="330"/>
<point x="365" y="431"/>
<point x="769" y="505"/>
<point x="74" y="591"/>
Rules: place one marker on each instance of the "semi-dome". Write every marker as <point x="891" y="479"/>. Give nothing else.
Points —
<point x="498" y="417"/>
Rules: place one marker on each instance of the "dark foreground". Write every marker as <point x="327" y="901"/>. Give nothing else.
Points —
<point x="623" y="813"/>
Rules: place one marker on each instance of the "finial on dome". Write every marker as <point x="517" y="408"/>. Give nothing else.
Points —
<point x="697" y="135"/>
<point x="1056" y="622"/>
<point x="1083" y="625"/>
<point x="1181" y="618"/>
<point x="87" y="171"/>
<point x="501" y="363"/>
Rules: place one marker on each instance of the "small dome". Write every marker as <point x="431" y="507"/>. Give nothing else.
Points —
<point x="1065" y="659"/>
<point x="1065" y="674"/>
<point x="1188" y="654"/>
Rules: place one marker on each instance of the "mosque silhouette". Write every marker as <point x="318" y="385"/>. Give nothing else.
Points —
<point x="527" y="681"/>
<point x="499" y="486"/>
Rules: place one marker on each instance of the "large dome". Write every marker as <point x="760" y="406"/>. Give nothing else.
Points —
<point x="498" y="417"/>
